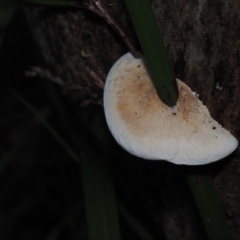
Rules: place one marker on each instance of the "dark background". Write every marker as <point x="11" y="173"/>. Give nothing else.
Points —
<point x="40" y="187"/>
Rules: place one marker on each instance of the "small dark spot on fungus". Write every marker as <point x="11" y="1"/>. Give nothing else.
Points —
<point x="138" y="66"/>
<point x="135" y="113"/>
<point x="214" y="128"/>
<point x="174" y="113"/>
<point x="138" y="76"/>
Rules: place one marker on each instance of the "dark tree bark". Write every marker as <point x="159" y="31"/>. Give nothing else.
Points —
<point x="202" y="39"/>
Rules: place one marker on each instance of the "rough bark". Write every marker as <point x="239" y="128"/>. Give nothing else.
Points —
<point x="202" y="39"/>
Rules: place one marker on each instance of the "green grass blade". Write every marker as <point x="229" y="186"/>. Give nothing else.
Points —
<point x="164" y="81"/>
<point x="100" y="201"/>
<point x="209" y="206"/>
<point x="131" y="220"/>
<point x="153" y="50"/>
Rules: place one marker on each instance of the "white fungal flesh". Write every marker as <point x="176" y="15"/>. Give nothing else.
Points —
<point x="143" y="125"/>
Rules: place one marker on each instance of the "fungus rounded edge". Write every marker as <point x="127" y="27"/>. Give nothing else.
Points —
<point x="144" y="126"/>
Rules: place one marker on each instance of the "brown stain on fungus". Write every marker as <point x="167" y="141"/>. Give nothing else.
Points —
<point x="139" y="95"/>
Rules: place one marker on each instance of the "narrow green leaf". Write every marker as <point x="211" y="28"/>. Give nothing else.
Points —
<point x="153" y="50"/>
<point x="100" y="200"/>
<point x="163" y="78"/>
<point x="209" y="206"/>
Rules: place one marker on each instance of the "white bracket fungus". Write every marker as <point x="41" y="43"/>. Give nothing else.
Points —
<point x="143" y="125"/>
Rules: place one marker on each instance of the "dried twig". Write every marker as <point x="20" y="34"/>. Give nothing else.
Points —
<point x="100" y="9"/>
<point x="92" y="97"/>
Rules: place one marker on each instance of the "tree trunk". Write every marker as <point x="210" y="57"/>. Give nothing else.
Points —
<point x="202" y="40"/>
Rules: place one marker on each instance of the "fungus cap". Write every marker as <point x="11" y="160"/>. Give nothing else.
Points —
<point x="144" y="126"/>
